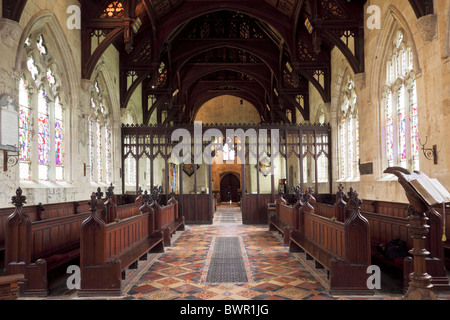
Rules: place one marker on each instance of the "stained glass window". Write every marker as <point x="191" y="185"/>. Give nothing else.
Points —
<point x="43" y="135"/>
<point x="59" y="139"/>
<point x="91" y="150"/>
<point x="24" y="131"/>
<point x="108" y="155"/>
<point x="401" y="109"/>
<point x="414" y="126"/>
<point x="100" y="138"/>
<point x="350" y="143"/>
<point x="322" y="161"/>
<point x="41" y="45"/>
<point x="228" y="151"/>
<point x="51" y="77"/>
<point x="305" y="159"/>
<point x="32" y="67"/>
<point x="46" y="112"/>
<point x="342" y="149"/>
<point x="322" y="169"/>
<point x="389" y="129"/>
<point x="99" y="152"/>
<point x="401" y="126"/>
<point x="114" y="10"/>
<point x="349" y="134"/>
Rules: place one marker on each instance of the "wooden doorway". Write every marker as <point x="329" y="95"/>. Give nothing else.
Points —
<point x="229" y="188"/>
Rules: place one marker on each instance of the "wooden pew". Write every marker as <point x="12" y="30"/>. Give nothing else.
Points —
<point x="283" y="221"/>
<point x="9" y="286"/>
<point x="167" y="219"/>
<point x="38" y="213"/>
<point x="35" y="249"/>
<point x="334" y="212"/>
<point x="106" y="253"/>
<point x="389" y="221"/>
<point x="445" y="214"/>
<point x="342" y="248"/>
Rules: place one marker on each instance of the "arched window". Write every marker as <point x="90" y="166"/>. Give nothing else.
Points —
<point x="59" y="139"/>
<point x="100" y="153"/>
<point x="25" y="131"/>
<point x="44" y="136"/>
<point x="400" y="107"/>
<point x="41" y="159"/>
<point x="349" y="133"/>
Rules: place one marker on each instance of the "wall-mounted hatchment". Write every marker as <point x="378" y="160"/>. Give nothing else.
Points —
<point x="9" y="124"/>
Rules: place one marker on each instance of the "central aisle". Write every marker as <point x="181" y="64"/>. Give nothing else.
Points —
<point x="271" y="272"/>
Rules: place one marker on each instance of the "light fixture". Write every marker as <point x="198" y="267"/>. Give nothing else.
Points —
<point x="430" y="153"/>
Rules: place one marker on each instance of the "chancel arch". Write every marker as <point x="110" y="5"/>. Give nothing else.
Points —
<point x="229" y="109"/>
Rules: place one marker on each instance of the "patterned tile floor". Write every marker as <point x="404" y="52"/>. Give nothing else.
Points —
<point x="273" y="273"/>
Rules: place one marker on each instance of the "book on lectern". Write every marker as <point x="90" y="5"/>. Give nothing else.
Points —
<point x="431" y="190"/>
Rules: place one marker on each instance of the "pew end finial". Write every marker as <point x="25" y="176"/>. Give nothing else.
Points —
<point x="19" y="199"/>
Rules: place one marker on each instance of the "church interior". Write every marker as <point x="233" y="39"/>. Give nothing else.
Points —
<point x="224" y="150"/>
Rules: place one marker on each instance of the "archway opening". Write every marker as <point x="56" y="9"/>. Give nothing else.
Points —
<point x="229" y="189"/>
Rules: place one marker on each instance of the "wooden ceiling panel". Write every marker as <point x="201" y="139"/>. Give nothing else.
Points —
<point x="287" y="7"/>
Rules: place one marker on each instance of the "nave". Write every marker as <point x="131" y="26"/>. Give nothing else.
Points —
<point x="273" y="273"/>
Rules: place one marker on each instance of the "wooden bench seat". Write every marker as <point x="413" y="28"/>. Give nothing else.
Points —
<point x="106" y="253"/>
<point x="36" y="249"/>
<point x="167" y="219"/>
<point x="283" y="221"/>
<point x="300" y="244"/>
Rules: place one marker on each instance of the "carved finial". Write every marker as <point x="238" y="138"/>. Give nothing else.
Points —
<point x="306" y="197"/>
<point x="147" y="197"/>
<point x="110" y="191"/>
<point x="350" y="192"/>
<point x="93" y="203"/>
<point x="156" y="193"/>
<point x="99" y="193"/>
<point x="340" y="193"/>
<point x="354" y="199"/>
<point x="19" y="200"/>
<point x="298" y="192"/>
<point x="139" y="191"/>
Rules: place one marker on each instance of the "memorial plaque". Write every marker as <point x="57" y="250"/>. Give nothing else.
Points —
<point x="366" y="168"/>
<point x="9" y="124"/>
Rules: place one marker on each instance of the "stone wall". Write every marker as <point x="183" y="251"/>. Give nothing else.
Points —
<point x="432" y="67"/>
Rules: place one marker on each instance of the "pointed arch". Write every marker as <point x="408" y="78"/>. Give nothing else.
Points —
<point x="394" y="93"/>
<point x="393" y="19"/>
<point x="44" y="36"/>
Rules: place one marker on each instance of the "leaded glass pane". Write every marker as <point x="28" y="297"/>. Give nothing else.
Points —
<point x="414" y="126"/>
<point x="389" y="130"/>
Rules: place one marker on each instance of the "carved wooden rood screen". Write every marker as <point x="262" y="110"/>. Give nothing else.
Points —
<point x="303" y="159"/>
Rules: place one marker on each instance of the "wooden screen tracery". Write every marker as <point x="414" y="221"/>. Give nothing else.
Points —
<point x="147" y="150"/>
